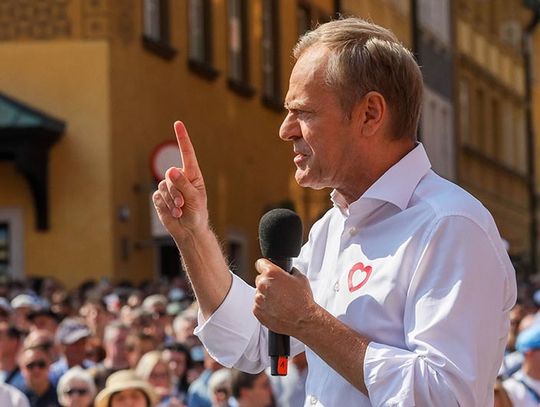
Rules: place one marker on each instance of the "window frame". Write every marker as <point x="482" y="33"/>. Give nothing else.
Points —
<point x="202" y="65"/>
<point x="239" y="83"/>
<point x="161" y="45"/>
<point x="272" y="99"/>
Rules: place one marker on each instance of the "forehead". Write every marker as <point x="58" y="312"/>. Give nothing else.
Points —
<point x="308" y="77"/>
<point x="32" y="354"/>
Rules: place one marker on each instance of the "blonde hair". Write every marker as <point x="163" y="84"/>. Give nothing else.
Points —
<point x="148" y="362"/>
<point x="366" y="57"/>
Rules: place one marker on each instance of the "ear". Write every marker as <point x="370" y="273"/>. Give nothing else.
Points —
<point x="371" y="113"/>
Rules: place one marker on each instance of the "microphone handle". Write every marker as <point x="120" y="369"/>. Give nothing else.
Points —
<point x="279" y="345"/>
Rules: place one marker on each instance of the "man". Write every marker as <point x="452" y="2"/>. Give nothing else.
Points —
<point x="70" y="338"/>
<point x="43" y="319"/>
<point x="34" y="364"/>
<point x="251" y="390"/>
<point x="116" y="353"/>
<point x="523" y="387"/>
<point x="184" y="325"/>
<point x="10" y="344"/>
<point x="405" y="284"/>
<point x="198" y="394"/>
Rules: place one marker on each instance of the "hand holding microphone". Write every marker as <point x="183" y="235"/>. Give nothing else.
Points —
<point x="280" y="235"/>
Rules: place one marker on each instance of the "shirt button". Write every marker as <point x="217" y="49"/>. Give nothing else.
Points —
<point x="352" y="230"/>
<point x="336" y="286"/>
<point x="313" y="400"/>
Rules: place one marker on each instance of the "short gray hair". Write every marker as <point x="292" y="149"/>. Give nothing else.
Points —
<point x="366" y="57"/>
<point x="76" y="373"/>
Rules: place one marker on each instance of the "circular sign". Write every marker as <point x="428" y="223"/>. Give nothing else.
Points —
<point x="164" y="156"/>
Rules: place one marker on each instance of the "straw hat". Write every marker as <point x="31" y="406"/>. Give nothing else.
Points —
<point x="123" y="380"/>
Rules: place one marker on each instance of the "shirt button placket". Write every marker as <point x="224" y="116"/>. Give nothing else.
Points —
<point x="313" y="400"/>
<point x="336" y="286"/>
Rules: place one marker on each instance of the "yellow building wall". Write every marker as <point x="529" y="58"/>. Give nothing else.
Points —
<point x="245" y="164"/>
<point x="68" y="80"/>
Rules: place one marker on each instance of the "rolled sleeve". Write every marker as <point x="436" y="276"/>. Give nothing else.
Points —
<point x="222" y="334"/>
<point x="456" y="322"/>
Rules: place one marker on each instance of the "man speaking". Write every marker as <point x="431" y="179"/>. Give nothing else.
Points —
<point x="401" y="295"/>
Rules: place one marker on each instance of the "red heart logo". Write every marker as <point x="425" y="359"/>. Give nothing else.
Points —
<point x="358" y="276"/>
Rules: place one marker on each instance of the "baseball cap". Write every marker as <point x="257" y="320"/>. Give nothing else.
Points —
<point x="529" y="339"/>
<point x="71" y="330"/>
<point x="24" y="300"/>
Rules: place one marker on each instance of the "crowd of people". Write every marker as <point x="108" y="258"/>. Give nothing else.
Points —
<point x="120" y="345"/>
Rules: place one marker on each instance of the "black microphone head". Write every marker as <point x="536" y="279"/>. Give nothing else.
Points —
<point x="280" y="234"/>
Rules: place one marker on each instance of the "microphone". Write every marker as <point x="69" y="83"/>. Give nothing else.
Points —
<point x="280" y="237"/>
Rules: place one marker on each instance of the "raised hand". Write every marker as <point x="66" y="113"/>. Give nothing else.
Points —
<point x="181" y="201"/>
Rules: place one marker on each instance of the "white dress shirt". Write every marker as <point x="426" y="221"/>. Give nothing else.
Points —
<point x="417" y="265"/>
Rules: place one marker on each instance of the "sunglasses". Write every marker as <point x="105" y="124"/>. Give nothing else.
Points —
<point x="79" y="392"/>
<point x="41" y="364"/>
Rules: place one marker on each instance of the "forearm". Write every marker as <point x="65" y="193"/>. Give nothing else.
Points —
<point x="339" y="346"/>
<point x="206" y="268"/>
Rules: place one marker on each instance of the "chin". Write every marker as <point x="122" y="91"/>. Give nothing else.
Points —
<point x="305" y="181"/>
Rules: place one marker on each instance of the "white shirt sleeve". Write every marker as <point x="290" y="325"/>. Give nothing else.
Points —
<point x="455" y="322"/>
<point x="233" y="336"/>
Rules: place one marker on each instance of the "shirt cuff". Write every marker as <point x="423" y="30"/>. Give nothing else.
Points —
<point x="227" y="332"/>
<point x="380" y="365"/>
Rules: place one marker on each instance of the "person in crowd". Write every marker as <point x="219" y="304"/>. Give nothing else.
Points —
<point x="138" y="343"/>
<point x="184" y="326"/>
<point x="179" y="359"/>
<point x="116" y="353"/>
<point x="43" y="319"/>
<point x="400" y="243"/>
<point x="10" y="345"/>
<point x="219" y="387"/>
<point x="6" y="311"/>
<point x="154" y="368"/>
<point x="95" y="352"/>
<point x="198" y="393"/>
<point x="39" y="390"/>
<point x="70" y="339"/>
<point x="44" y="340"/>
<point x="95" y="314"/>
<point x="251" y="390"/>
<point x="523" y="387"/>
<point x="76" y="388"/>
<point x="23" y="305"/>
<point x="501" y="396"/>
<point x="10" y="396"/>
<point x="125" y="389"/>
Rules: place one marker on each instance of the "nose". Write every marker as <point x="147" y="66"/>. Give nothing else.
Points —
<point x="290" y="128"/>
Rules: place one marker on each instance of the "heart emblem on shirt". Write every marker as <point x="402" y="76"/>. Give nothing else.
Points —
<point x="358" y="276"/>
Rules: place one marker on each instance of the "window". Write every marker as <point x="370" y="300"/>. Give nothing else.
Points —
<point x="270" y="56"/>
<point x="239" y="47"/>
<point x="464" y="113"/>
<point x="156" y="27"/>
<point x="11" y="243"/>
<point x="200" y="38"/>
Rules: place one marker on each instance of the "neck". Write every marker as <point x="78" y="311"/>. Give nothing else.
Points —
<point x="372" y="166"/>
<point x="531" y="370"/>
<point x="40" y="388"/>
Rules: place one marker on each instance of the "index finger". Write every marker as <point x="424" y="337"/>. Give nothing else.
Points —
<point x="189" y="159"/>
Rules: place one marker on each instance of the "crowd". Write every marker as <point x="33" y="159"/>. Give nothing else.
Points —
<point x="124" y="345"/>
<point x="120" y="345"/>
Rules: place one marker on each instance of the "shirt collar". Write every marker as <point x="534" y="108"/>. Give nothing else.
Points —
<point x="396" y="185"/>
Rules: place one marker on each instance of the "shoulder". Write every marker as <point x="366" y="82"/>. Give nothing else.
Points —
<point x="443" y="199"/>
<point x="12" y="396"/>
